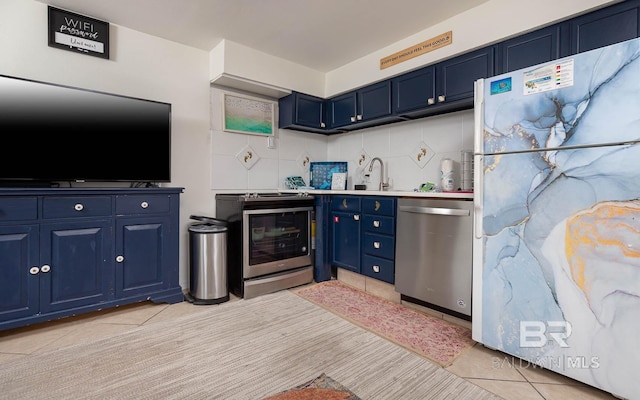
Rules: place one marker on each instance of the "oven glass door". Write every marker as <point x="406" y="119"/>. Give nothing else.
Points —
<point x="276" y="240"/>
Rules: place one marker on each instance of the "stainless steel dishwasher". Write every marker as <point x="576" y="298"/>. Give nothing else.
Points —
<point x="434" y="253"/>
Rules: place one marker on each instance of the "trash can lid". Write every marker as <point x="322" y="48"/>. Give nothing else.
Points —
<point x="209" y="220"/>
<point x="207" y="228"/>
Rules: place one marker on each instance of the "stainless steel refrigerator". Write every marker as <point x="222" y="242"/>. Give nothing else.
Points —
<point x="556" y="263"/>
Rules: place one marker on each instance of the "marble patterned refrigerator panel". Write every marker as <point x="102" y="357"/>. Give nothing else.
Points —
<point x="561" y="222"/>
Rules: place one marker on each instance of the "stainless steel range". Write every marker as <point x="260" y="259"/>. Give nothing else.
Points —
<point x="269" y="241"/>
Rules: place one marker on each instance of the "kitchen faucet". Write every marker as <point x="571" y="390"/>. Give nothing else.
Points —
<point x="383" y="185"/>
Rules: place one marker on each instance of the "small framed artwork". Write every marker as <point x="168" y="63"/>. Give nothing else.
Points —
<point x="249" y="115"/>
<point x="339" y="181"/>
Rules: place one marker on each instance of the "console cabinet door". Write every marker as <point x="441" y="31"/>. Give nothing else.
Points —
<point x="19" y="288"/>
<point x="75" y="264"/>
<point x="604" y="27"/>
<point x="142" y="255"/>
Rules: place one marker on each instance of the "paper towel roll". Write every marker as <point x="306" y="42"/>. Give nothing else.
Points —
<point x="446" y="174"/>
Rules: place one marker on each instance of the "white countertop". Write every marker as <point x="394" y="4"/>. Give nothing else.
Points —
<point x="393" y="193"/>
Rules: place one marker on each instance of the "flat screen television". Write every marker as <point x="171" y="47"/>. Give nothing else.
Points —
<point x="53" y="133"/>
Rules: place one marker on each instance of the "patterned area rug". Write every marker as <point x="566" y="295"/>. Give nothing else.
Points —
<point x="438" y="340"/>
<point x="320" y="388"/>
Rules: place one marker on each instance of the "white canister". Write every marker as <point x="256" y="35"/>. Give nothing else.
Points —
<point x="447" y="174"/>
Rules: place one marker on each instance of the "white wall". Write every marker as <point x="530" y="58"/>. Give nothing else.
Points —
<point x="487" y="23"/>
<point x="398" y="146"/>
<point x="140" y="65"/>
<point x="274" y="165"/>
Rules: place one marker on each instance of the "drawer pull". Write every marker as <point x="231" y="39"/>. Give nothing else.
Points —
<point x="441" y="99"/>
<point x="344" y="203"/>
<point x="359" y="117"/>
<point x="356" y="217"/>
<point x="45" y="268"/>
<point x="431" y="101"/>
<point x="78" y="207"/>
<point x="34" y="270"/>
<point x="119" y="259"/>
<point x="376" y="224"/>
<point x="144" y="204"/>
<point x="376" y="245"/>
<point x="353" y="119"/>
<point x="377" y="205"/>
<point x="376" y="268"/>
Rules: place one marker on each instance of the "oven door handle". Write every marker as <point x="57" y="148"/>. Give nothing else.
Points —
<point x="454" y="212"/>
<point x="277" y="210"/>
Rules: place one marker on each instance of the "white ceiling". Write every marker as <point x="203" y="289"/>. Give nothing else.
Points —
<point x="320" y="34"/>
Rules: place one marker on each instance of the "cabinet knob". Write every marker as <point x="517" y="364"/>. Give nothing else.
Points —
<point x="119" y="259"/>
<point x="376" y="224"/>
<point x="376" y="245"/>
<point x="353" y="119"/>
<point x="431" y="101"/>
<point x="322" y="125"/>
<point x="356" y="217"/>
<point x="78" y="207"/>
<point x="359" y="117"/>
<point x="376" y="268"/>
<point x="144" y="204"/>
<point x="45" y="268"/>
<point x="441" y="98"/>
<point x="34" y="270"/>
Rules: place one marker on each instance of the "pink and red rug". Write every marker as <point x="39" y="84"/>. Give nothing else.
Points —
<point x="436" y="339"/>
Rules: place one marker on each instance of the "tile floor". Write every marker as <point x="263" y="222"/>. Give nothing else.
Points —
<point x="489" y="369"/>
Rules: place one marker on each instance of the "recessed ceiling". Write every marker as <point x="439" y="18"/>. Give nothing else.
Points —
<point x="320" y="34"/>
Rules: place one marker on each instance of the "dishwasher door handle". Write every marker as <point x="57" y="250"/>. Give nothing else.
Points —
<point x="454" y="212"/>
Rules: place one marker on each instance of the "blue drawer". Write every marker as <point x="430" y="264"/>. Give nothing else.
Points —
<point x="71" y="207"/>
<point x="378" y="268"/>
<point x="345" y="203"/>
<point x="379" y="224"/>
<point x="379" y="245"/>
<point x="379" y="206"/>
<point x="18" y="208"/>
<point x="145" y="204"/>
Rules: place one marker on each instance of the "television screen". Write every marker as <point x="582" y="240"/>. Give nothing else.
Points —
<point x="56" y="133"/>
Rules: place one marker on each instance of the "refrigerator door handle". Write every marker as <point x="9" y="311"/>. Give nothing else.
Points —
<point x="478" y="196"/>
<point x="478" y="113"/>
<point x="456" y="212"/>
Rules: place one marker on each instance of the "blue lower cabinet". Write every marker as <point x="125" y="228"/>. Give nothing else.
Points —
<point x="363" y="235"/>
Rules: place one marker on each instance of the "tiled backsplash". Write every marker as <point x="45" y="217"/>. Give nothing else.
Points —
<point x="444" y="137"/>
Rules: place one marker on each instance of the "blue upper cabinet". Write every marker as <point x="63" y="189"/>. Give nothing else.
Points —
<point x="537" y="47"/>
<point x="455" y="77"/>
<point x="414" y="91"/>
<point x="370" y="105"/>
<point x="607" y="26"/>
<point x="303" y="112"/>
<point x="444" y="87"/>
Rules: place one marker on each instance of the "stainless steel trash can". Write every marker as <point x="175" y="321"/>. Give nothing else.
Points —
<point x="208" y="261"/>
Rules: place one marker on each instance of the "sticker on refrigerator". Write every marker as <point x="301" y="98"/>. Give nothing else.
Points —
<point x="549" y="77"/>
<point x="501" y="86"/>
